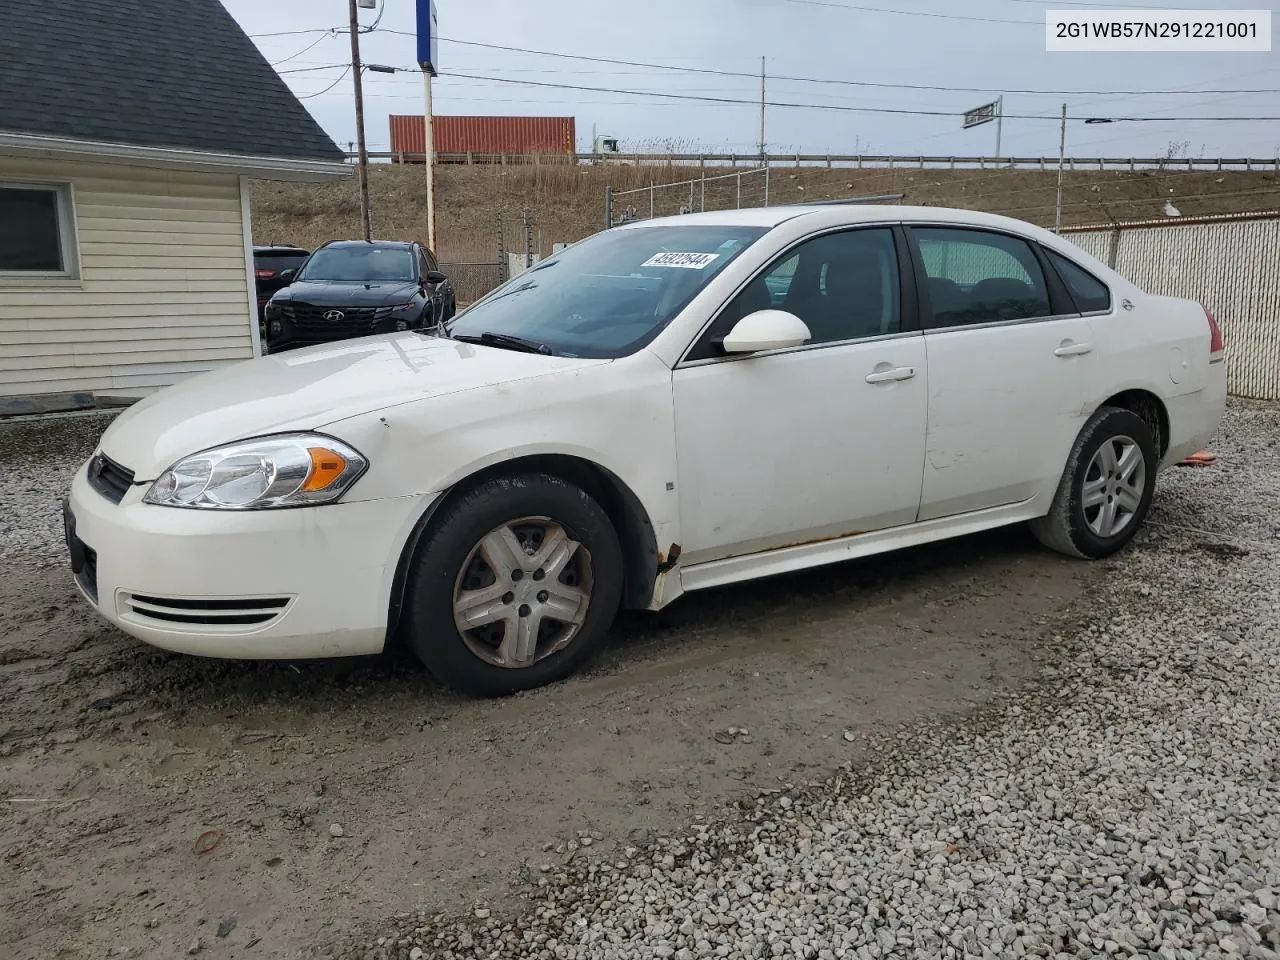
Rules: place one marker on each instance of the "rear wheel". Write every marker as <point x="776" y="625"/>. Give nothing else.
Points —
<point x="515" y="585"/>
<point x="1106" y="489"/>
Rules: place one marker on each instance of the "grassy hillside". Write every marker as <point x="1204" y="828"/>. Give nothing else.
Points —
<point x="567" y="201"/>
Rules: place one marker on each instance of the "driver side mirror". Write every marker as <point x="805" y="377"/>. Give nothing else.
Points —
<point x="287" y="275"/>
<point x="766" y="330"/>
<point x="434" y="277"/>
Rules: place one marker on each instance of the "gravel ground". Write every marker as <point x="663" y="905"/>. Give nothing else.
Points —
<point x="1127" y="803"/>
<point x="40" y="455"/>
<point x="340" y="794"/>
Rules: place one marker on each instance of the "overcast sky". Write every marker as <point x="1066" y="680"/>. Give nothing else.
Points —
<point x="919" y="42"/>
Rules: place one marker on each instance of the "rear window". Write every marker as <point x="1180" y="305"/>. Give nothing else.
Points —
<point x="1090" y="294"/>
<point x="278" y="260"/>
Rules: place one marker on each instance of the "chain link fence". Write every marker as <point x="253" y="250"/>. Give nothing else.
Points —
<point x="721" y="191"/>
<point x="516" y="245"/>
<point x="472" y="280"/>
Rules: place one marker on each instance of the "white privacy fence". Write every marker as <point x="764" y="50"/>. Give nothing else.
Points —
<point x="1231" y="264"/>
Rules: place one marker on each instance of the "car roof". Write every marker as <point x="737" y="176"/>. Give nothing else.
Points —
<point x="279" y="248"/>
<point x="851" y="212"/>
<point x="827" y="214"/>
<point x="385" y="244"/>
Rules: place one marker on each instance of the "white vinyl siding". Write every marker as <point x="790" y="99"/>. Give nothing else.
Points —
<point x="162" y="289"/>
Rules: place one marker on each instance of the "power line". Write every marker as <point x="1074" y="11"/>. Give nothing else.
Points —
<point x="826" y="80"/>
<point x="305" y="49"/>
<point x="290" y="33"/>
<point x="1104" y="4"/>
<point x="327" y="66"/>
<point x="914" y="13"/>
<point x="342" y="76"/>
<point x="831" y="106"/>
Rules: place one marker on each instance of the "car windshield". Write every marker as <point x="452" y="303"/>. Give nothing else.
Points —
<point x="609" y="295"/>
<point x="359" y="264"/>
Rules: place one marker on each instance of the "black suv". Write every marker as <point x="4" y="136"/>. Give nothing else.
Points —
<point x="354" y="288"/>
<point x="268" y="263"/>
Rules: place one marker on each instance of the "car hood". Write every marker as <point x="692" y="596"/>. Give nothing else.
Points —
<point x="307" y="389"/>
<point x="337" y="294"/>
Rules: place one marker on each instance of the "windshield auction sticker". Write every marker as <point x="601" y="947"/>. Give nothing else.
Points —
<point x="685" y="261"/>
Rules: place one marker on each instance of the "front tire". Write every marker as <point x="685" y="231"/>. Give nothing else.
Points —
<point x="1106" y="489"/>
<point x="514" y="586"/>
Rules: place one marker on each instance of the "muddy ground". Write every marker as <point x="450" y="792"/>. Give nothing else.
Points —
<point x="120" y="764"/>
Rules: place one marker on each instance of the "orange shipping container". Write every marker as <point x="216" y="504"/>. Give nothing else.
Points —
<point x="486" y="135"/>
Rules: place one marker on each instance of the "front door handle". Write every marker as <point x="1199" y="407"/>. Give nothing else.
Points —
<point x="888" y="376"/>
<point x="1073" y="350"/>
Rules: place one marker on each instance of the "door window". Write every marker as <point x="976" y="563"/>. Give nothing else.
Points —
<point x="1090" y="294"/>
<point x="975" y="276"/>
<point x="844" y="286"/>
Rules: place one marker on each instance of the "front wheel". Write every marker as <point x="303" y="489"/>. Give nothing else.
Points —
<point x="1106" y="489"/>
<point x="514" y="586"/>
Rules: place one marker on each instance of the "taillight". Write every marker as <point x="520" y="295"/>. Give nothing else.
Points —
<point x="1215" y="332"/>
<point x="264" y="274"/>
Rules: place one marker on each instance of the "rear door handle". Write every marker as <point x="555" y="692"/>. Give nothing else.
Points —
<point x="887" y="376"/>
<point x="1073" y="350"/>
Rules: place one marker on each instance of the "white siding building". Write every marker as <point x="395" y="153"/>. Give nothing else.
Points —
<point x="126" y="256"/>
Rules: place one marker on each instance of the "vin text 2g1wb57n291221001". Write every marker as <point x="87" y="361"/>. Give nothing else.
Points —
<point x="663" y="407"/>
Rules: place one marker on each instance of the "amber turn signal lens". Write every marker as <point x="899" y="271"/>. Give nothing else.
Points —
<point x="326" y="467"/>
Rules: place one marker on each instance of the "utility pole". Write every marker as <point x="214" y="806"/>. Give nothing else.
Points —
<point x="764" y="159"/>
<point x="429" y="146"/>
<point x="1062" y="157"/>
<point x="762" y="109"/>
<point x="999" y="122"/>
<point x="363" y="155"/>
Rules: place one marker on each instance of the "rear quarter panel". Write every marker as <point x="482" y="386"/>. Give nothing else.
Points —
<point x="1161" y="345"/>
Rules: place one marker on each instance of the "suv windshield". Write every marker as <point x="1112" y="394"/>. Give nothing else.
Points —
<point x="609" y="295"/>
<point x="360" y="264"/>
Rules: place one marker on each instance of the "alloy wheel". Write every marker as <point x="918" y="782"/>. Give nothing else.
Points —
<point x="1113" y="486"/>
<point x="523" y="592"/>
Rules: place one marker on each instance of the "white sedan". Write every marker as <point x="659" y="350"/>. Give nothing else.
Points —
<point x="664" y="407"/>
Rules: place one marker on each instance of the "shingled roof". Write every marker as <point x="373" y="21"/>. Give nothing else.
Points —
<point x="148" y="73"/>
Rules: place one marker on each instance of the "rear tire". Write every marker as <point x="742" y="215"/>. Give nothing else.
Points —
<point x="514" y="586"/>
<point x="1106" y="489"/>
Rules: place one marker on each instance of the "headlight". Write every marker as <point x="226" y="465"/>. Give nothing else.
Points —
<point x="289" y="470"/>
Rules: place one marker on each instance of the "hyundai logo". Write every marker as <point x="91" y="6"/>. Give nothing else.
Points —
<point x="333" y="316"/>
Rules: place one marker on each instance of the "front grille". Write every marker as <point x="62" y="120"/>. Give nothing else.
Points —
<point x="205" y="612"/>
<point x="109" y="478"/>
<point x="355" y="322"/>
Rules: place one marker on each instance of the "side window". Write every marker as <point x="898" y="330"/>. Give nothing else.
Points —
<point x="844" y="286"/>
<point x="424" y="262"/>
<point x="975" y="276"/>
<point x="1089" y="293"/>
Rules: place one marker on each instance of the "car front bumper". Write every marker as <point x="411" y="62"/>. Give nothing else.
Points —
<point x="262" y="584"/>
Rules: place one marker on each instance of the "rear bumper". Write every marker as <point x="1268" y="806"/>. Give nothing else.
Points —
<point x="266" y="584"/>
<point x="1194" y="418"/>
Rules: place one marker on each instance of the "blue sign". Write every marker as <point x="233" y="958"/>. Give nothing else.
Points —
<point x="428" y="37"/>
